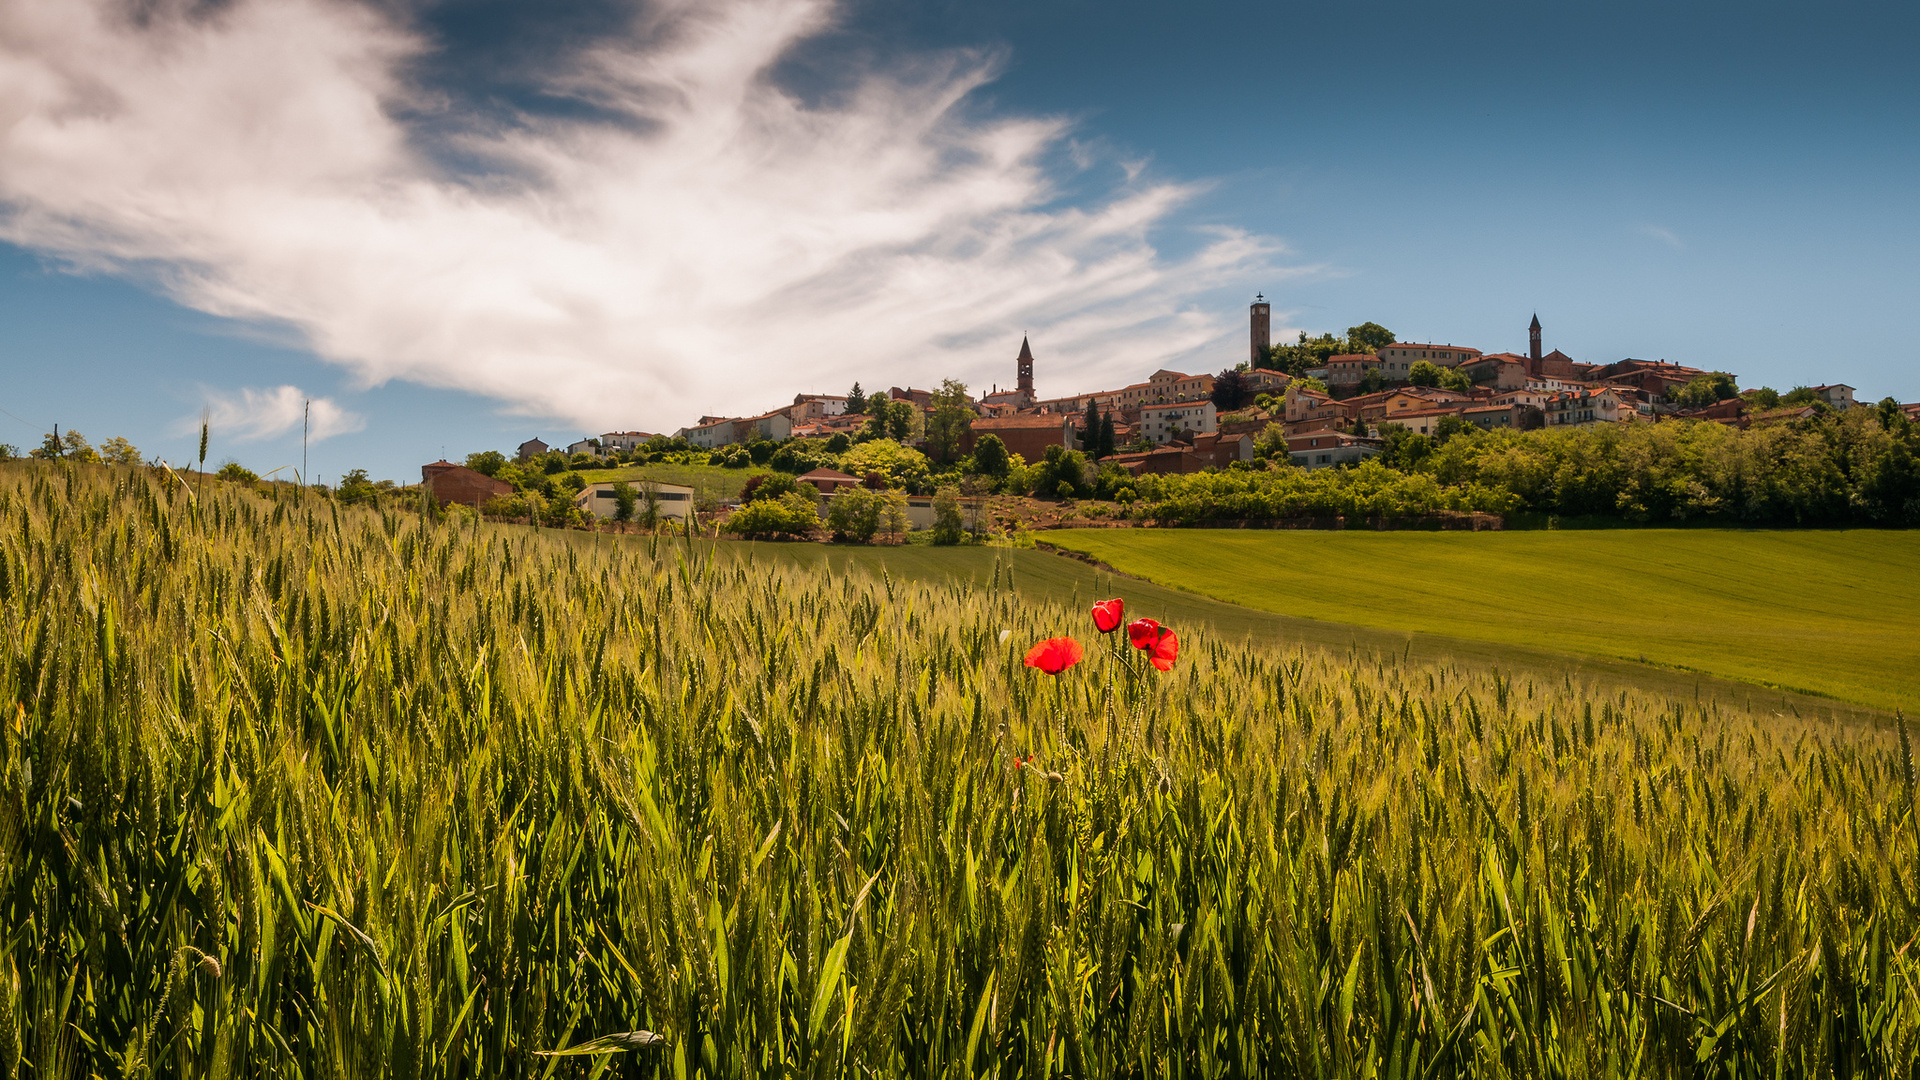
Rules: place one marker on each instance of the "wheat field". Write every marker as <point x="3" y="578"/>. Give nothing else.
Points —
<point x="291" y="789"/>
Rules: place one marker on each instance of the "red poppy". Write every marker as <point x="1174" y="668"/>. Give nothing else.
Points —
<point x="1165" y="651"/>
<point x="1107" y="615"/>
<point x="1055" y="655"/>
<point x="1161" y="645"/>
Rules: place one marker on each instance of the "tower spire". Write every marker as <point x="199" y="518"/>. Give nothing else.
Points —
<point x="1533" y="342"/>
<point x="1023" y="369"/>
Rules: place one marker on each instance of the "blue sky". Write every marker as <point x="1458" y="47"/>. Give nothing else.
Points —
<point x="498" y="223"/>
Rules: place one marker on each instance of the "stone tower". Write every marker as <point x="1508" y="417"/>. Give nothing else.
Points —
<point x="1260" y="320"/>
<point x="1533" y="343"/>
<point x="1024" y="370"/>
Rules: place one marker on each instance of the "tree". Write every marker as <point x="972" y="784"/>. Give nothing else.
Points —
<point x="893" y="510"/>
<point x="1106" y="435"/>
<point x="949" y="421"/>
<point x="1061" y="469"/>
<point x="487" y="462"/>
<point x="839" y="443"/>
<point x="901" y="466"/>
<point x="237" y="473"/>
<point x="8" y="451"/>
<point x="1230" y="391"/>
<point x="1449" y="426"/>
<point x="1799" y="395"/>
<point x="948" y="527"/>
<point x="792" y="514"/>
<point x="649" y="505"/>
<point x="1424" y="373"/>
<point x="1310" y="383"/>
<point x="77" y="448"/>
<point x="1765" y="397"/>
<point x="118" y="451"/>
<point x="767" y="486"/>
<point x="854" y="514"/>
<point x="354" y="488"/>
<point x="1090" y="430"/>
<point x="900" y="417"/>
<point x="1455" y="380"/>
<point x="856" y="401"/>
<point x="1368" y="337"/>
<point x="1528" y="418"/>
<point x="624" y="500"/>
<point x="1373" y="380"/>
<point x="1704" y="389"/>
<point x="990" y="457"/>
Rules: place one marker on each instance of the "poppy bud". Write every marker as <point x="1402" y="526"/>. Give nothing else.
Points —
<point x="1107" y="615"/>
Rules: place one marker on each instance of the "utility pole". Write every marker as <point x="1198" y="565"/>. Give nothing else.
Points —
<point x="306" y="408"/>
<point x="57" y="452"/>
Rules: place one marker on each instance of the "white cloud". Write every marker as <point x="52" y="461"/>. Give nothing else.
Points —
<point x="712" y="245"/>
<point x="1663" y="235"/>
<point x="253" y="415"/>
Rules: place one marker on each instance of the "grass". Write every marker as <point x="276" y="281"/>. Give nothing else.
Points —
<point x="295" y="789"/>
<point x="1835" y="613"/>
<point x="707" y="481"/>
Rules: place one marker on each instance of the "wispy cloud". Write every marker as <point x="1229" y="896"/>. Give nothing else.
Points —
<point x="252" y="415"/>
<point x="1663" y="235"/>
<point x="704" y="245"/>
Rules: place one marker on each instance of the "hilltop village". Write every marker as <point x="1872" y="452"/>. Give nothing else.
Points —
<point x="1312" y="405"/>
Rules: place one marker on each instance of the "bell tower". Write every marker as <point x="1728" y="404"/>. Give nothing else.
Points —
<point x="1533" y="342"/>
<point x="1259" y="320"/>
<point x="1023" y="369"/>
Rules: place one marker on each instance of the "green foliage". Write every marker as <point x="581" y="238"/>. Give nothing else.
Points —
<point x="948" y="421"/>
<point x="118" y="451"/>
<point x="354" y="488"/>
<point x="1062" y="473"/>
<point x="792" y="515"/>
<point x="1456" y="380"/>
<point x="1425" y="373"/>
<point x="235" y="472"/>
<point x="487" y="462"/>
<point x="625" y="499"/>
<point x="9" y="452"/>
<point x="837" y="444"/>
<point x="335" y="792"/>
<point x="990" y="458"/>
<point x="949" y="527"/>
<point x="1704" y="389"/>
<point x="901" y="466"/>
<point x="856" y="400"/>
<point x="1372" y="380"/>
<point x="768" y="486"/>
<point x="1800" y="395"/>
<point x="859" y="514"/>
<point x="553" y="462"/>
<point x="1368" y="337"/>
<point x="1765" y="397"/>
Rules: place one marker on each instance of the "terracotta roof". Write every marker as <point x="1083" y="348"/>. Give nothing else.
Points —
<point x="825" y="473"/>
<point x="1022" y="420"/>
<point x="1418" y="345"/>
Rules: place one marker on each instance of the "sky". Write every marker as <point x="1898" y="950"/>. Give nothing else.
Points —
<point x="426" y="229"/>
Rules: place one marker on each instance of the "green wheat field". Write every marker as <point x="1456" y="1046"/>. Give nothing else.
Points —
<point x="289" y="789"/>
<point x="1830" y="612"/>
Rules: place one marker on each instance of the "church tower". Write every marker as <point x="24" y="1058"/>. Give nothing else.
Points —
<point x="1533" y="342"/>
<point x="1259" y="319"/>
<point x="1024" y="371"/>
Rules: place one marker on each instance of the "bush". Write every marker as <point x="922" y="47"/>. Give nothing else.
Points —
<point x="854" y="514"/>
<point x="767" y="486"/>
<point x="235" y="471"/>
<point x="839" y="443"/>
<point x="948" y="526"/>
<point x="790" y="515"/>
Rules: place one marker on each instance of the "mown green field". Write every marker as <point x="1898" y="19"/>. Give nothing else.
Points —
<point x="1835" y="613"/>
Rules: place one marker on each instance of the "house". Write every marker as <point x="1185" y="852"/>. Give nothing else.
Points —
<point x="1162" y="423"/>
<point x="1423" y="421"/>
<point x="828" y="481"/>
<point x="715" y="431"/>
<point x="1493" y="416"/>
<point x="450" y="483"/>
<point x="1324" y="449"/>
<point x="1311" y="406"/>
<point x="1838" y="395"/>
<point x="1026" y="434"/>
<point x="1388" y="403"/>
<point x="1582" y="407"/>
<point x="708" y="433"/>
<point x="1263" y="381"/>
<point x="1655" y="377"/>
<point x="920" y="399"/>
<point x="625" y="440"/>
<point x="530" y="449"/>
<point x="1402" y="355"/>
<point x="1501" y="371"/>
<point x="810" y="407"/>
<point x="1349" y="369"/>
<point x="602" y="501"/>
<point x="584" y="446"/>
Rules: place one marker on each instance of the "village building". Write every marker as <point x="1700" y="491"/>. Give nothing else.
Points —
<point x="828" y="481"/>
<point x="1263" y="381"/>
<point x="584" y="446"/>
<point x="1162" y="423"/>
<point x="625" y="440"/>
<point x="450" y="483"/>
<point x="1838" y="395"/>
<point x="602" y="500"/>
<point x="1026" y="434"/>
<point x="1021" y="396"/>
<point x="1500" y="371"/>
<point x="1326" y="449"/>
<point x="1583" y="407"/>
<point x="1402" y="355"/>
<point x="807" y="408"/>
<point x="530" y="449"/>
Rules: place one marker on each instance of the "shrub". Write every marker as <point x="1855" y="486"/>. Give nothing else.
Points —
<point x="948" y="525"/>
<point x="791" y="515"/>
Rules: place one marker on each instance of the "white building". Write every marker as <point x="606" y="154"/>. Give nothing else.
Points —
<point x="675" y="500"/>
<point x="1581" y="407"/>
<point x="624" y="440"/>
<point x="1838" y="395"/>
<point x="1402" y="355"/>
<point x="1165" y="422"/>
